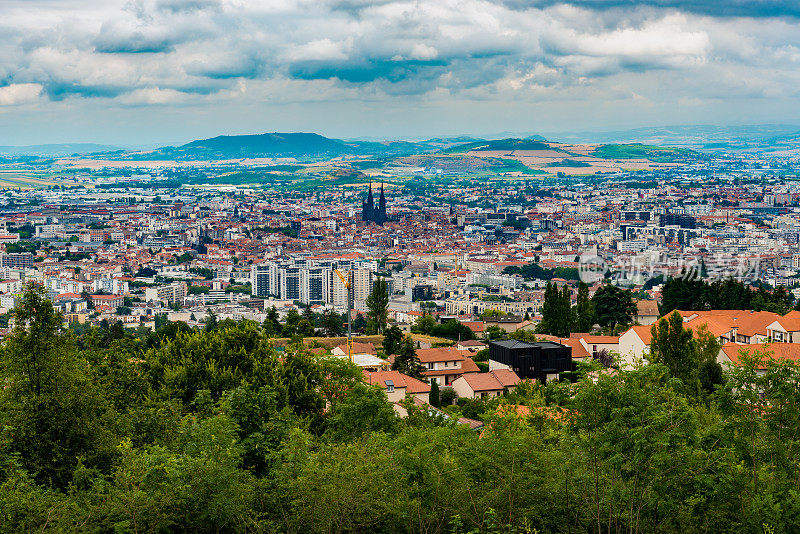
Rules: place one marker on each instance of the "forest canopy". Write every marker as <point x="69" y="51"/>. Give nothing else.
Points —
<point x="212" y="430"/>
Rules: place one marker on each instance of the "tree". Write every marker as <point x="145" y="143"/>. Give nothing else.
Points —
<point x="308" y="315"/>
<point x="406" y="360"/>
<point x="378" y="304"/>
<point x="292" y="320"/>
<point x="491" y="313"/>
<point x="447" y="396"/>
<point x="614" y="306"/>
<point x="391" y="340"/>
<point x="433" y="396"/>
<point x="304" y="328"/>
<point x="85" y="295"/>
<point x="454" y="330"/>
<point x="604" y="357"/>
<point x="210" y="322"/>
<point x="359" y="323"/>
<point x="364" y="409"/>
<point x="584" y="309"/>
<point x="709" y="371"/>
<point x="556" y="311"/>
<point x="675" y="347"/>
<point x="424" y="324"/>
<point x="53" y="406"/>
<point x="494" y="332"/>
<point x="332" y="323"/>
<point x="271" y="325"/>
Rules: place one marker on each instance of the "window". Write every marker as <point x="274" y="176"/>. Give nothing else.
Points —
<point x="389" y="386"/>
<point x="430" y="365"/>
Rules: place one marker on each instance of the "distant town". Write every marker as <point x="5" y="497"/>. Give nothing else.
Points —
<point x="141" y="242"/>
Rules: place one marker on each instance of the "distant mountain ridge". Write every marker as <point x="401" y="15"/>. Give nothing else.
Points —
<point x="697" y="135"/>
<point x="293" y="145"/>
<point x="57" y="149"/>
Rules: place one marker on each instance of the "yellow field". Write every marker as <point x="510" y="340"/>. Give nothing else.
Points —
<point x="17" y="180"/>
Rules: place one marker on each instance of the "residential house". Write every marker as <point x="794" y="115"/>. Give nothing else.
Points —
<point x="785" y="329"/>
<point x="112" y="301"/>
<point x="358" y="348"/>
<point x="634" y="345"/>
<point x="730" y="354"/>
<point x="478" y="327"/>
<point x="728" y="326"/>
<point x="579" y="351"/>
<point x="364" y="356"/>
<point x="482" y="385"/>
<point x="597" y="344"/>
<point x="471" y="345"/>
<point x="646" y="312"/>
<point x="445" y="364"/>
<point x="397" y="385"/>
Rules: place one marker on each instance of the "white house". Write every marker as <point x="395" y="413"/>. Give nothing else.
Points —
<point x="634" y="345"/>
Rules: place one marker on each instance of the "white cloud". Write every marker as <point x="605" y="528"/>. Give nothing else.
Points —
<point x="153" y="96"/>
<point x="198" y="52"/>
<point x="19" y="93"/>
<point x="423" y="52"/>
<point x="319" y="50"/>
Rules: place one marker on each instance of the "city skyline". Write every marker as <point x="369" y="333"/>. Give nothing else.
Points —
<point x="161" y="72"/>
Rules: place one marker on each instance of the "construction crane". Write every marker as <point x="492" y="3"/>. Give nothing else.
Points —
<point x="347" y="281"/>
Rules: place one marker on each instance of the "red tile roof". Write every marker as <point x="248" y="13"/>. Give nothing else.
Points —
<point x="491" y="381"/>
<point x="399" y="380"/>
<point x="778" y="351"/>
<point x="442" y="354"/>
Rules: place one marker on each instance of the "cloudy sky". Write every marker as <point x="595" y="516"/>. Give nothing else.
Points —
<point x="162" y="71"/>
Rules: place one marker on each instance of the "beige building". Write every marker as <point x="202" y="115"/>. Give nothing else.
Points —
<point x="634" y="345"/>
<point x="397" y="385"/>
<point x="171" y="293"/>
<point x="646" y="312"/>
<point x="482" y="385"/>
<point x="786" y="329"/>
<point x="443" y="365"/>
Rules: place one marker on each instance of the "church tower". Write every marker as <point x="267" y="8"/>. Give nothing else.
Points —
<point x="381" y="214"/>
<point x="368" y="207"/>
<point x="372" y="213"/>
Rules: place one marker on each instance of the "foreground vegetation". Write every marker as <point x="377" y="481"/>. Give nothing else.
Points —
<point x="210" y="431"/>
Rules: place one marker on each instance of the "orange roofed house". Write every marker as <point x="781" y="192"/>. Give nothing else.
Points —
<point x="785" y="329"/>
<point x="445" y="364"/>
<point x="730" y="354"/>
<point x="728" y="326"/>
<point x="481" y="385"/>
<point x="397" y="385"/>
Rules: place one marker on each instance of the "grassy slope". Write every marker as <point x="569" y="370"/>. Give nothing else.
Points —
<point x="638" y="151"/>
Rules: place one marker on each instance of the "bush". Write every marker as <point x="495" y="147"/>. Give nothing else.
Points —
<point x="481" y="356"/>
<point x="447" y="396"/>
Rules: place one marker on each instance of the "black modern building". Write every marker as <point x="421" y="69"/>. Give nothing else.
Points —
<point x="676" y="219"/>
<point x="372" y="213"/>
<point x="532" y="360"/>
<point x="421" y="292"/>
